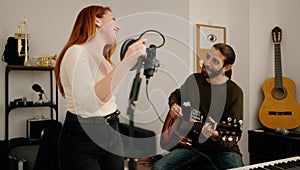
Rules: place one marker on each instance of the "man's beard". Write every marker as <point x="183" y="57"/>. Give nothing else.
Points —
<point x="212" y="74"/>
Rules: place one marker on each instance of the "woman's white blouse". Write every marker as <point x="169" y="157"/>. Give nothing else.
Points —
<point x="79" y="72"/>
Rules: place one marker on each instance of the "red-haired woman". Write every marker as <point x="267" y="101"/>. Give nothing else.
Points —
<point x="90" y="137"/>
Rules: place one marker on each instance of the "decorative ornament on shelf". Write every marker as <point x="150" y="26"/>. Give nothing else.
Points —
<point x="45" y="61"/>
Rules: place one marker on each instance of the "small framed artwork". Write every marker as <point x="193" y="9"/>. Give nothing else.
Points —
<point x="206" y="37"/>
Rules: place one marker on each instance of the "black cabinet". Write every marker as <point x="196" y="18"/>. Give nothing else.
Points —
<point x="10" y="105"/>
<point x="266" y="145"/>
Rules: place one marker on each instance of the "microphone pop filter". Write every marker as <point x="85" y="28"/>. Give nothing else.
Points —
<point x="124" y="48"/>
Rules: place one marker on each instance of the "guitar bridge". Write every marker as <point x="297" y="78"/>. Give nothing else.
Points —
<point x="286" y="113"/>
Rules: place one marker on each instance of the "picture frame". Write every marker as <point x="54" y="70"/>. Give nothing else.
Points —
<point x="206" y="37"/>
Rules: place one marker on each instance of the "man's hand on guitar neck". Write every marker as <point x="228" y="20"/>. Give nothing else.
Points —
<point x="175" y="110"/>
<point x="209" y="129"/>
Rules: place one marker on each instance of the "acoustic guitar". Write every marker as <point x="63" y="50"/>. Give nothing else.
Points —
<point x="279" y="108"/>
<point x="185" y="131"/>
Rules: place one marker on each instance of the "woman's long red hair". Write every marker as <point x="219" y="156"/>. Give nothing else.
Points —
<point x="83" y="29"/>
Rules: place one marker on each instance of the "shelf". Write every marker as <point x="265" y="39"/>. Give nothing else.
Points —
<point x="30" y="68"/>
<point x="19" y="142"/>
<point x="51" y="105"/>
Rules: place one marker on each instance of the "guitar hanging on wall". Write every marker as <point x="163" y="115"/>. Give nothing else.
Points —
<point x="279" y="108"/>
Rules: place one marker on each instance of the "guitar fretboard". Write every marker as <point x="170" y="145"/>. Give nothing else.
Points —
<point x="278" y="68"/>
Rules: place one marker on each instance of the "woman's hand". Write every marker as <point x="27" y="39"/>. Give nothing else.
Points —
<point x="175" y="110"/>
<point x="113" y="78"/>
<point x="134" y="52"/>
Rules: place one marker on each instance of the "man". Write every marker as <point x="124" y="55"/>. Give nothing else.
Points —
<point x="214" y="97"/>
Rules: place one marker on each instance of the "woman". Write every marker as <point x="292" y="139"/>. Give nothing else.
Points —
<point x="87" y="80"/>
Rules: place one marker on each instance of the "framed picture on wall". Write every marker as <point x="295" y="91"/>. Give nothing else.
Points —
<point x="206" y="37"/>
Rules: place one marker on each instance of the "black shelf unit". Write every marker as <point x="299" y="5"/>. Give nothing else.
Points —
<point x="14" y="144"/>
<point x="50" y="104"/>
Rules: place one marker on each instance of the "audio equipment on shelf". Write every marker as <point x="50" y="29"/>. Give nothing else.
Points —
<point x="35" y="127"/>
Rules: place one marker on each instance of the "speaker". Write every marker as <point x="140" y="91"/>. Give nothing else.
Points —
<point x="35" y="128"/>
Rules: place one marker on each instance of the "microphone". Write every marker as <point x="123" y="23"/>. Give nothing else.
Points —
<point x="37" y="88"/>
<point x="150" y="62"/>
<point x="285" y="132"/>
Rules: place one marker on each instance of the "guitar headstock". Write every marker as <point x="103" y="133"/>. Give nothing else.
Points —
<point x="276" y="34"/>
<point x="230" y="129"/>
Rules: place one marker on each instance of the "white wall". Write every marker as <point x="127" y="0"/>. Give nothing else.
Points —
<point x="282" y="14"/>
<point x="248" y="24"/>
<point x="279" y="13"/>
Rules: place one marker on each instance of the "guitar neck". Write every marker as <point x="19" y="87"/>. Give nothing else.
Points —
<point x="278" y="68"/>
<point x="221" y="126"/>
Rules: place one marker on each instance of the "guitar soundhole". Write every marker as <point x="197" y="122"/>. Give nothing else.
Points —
<point x="279" y="93"/>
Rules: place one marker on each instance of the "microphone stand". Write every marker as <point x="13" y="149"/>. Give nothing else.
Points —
<point x="130" y="110"/>
<point x="40" y="101"/>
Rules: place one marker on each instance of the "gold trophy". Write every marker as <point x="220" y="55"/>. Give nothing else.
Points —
<point x="23" y="36"/>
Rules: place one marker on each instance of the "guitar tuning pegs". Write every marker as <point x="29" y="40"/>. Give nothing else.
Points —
<point x="229" y="119"/>
<point x="241" y="122"/>
<point x="224" y="138"/>
<point x="230" y="138"/>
